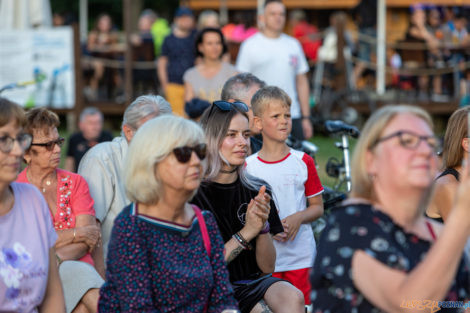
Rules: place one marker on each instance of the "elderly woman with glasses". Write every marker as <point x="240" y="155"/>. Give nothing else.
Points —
<point x="245" y="213"/>
<point x="378" y="252"/>
<point x="71" y="210"/>
<point x="29" y="280"/>
<point x="165" y="255"/>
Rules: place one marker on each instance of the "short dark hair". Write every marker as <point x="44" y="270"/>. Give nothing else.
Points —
<point x="200" y="38"/>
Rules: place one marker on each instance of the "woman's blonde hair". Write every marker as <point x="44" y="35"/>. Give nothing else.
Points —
<point x="152" y="143"/>
<point x="375" y="125"/>
<point x="452" y="150"/>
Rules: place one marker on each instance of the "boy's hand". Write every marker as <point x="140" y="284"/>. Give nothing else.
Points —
<point x="293" y="224"/>
<point x="282" y="237"/>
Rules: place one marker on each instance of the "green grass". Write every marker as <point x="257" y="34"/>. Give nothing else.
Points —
<point x="326" y="149"/>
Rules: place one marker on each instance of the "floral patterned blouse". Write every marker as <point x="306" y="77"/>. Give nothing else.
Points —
<point x="73" y="199"/>
<point x="361" y="227"/>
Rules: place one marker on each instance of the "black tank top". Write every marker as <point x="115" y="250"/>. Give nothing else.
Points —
<point x="451" y="171"/>
<point x="447" y="171"/>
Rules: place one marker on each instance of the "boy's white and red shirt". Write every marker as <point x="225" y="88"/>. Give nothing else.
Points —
<point x="293" y="179"/>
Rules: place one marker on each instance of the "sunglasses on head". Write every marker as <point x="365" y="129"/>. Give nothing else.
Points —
<point x="183" y="154"/>
<point x="50" y="144"/>
<point x="229" y="106"/>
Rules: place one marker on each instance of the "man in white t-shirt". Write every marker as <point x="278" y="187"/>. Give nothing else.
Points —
<point x="279" y="60"/>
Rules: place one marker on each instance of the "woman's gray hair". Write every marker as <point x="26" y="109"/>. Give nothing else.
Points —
<point x="144" y="106"/>
<point x="152" y="143"/>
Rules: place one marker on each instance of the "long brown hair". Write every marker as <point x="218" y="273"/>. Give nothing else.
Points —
<point x="452" y="150"/>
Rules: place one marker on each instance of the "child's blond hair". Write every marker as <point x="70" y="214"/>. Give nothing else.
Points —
<point x="265" y="95"/>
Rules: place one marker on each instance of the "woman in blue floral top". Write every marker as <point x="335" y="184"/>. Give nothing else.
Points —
<point x="161" y="256"/>
<point x="378" y="252"/>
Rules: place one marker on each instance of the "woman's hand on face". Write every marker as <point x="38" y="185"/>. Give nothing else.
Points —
<point x="90" y="235"/>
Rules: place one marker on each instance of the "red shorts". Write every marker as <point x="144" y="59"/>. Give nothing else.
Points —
<point x="298" y="278"/>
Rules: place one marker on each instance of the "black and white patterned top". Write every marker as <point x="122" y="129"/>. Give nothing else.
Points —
<point x="361" y="227"/>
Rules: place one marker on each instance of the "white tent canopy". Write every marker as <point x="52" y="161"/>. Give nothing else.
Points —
<point x="25" y="14"/>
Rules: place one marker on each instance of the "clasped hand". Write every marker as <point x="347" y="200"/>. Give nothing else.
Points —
<point x="257" y="212"/>
<point x="90" y="235"/>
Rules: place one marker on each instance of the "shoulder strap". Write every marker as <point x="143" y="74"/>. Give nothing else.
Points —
<point x="450" y="171"/>
<point x="202" y="226"/>
<point x="431" y="230"/>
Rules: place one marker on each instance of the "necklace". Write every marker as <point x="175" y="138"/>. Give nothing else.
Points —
<point x="229" y="172"/>
<point x="48" y="183"/>
<point x="43" y="188"/>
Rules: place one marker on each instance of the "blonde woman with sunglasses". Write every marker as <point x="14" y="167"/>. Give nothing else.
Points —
<point x="165" y="255"/>
<point x="78" y="250"/>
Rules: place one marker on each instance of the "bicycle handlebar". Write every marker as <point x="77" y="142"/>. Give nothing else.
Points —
<point x="341" y="127"/>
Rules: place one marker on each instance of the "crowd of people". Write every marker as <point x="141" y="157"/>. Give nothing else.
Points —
<point x="214" y="213"/>
<point x="439" y="38"/>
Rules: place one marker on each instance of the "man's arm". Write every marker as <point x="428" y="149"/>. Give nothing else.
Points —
<point x="69" y="164"/>
<point x="100" y="182"/>
<point x="162" y="72"/>
<point x="303" y="93"/>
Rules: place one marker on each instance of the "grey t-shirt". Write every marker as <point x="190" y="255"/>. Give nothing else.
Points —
<point x="208" y="89"/>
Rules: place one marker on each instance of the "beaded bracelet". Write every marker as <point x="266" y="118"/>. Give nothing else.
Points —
<point x="266" y="229"/>
<point x="238" y="241"/>
<point x="243" y="241"/>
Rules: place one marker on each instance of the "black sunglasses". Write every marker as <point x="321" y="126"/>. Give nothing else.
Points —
<point x="183" y="154"/>
<point x="228" y="106"/>
<point x="51" y="144"/>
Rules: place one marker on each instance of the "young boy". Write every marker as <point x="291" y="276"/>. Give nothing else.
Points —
<point x="294" y="181"/>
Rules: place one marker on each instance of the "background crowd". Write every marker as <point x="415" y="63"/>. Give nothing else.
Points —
<point x="429" y="37"/>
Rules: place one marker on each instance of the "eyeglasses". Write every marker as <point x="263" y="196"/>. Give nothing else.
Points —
<point x="228" y="106"/>
<point x="183" y="154"/>
<point x="6" y="142"/>
<point x="50" y="144"/>
<point x="410" y="140"/>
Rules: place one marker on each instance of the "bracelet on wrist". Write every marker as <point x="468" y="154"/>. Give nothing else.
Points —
<point x="266" y="229"/>
<point x="234" y="236"/>
<point x="243" y="241"/>
<point x="305" y="117"/>
<point x="59" y="260"/>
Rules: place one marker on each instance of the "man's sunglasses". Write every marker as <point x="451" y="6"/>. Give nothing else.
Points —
<point x="183" y="154"/>
<point x="50" y="144"/>
<point x="228" y="106"/>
